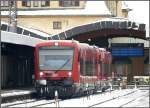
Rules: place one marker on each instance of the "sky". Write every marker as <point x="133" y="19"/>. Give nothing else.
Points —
<point x="140" y="11"/>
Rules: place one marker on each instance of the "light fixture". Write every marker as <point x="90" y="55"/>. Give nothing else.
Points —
<point x="89" y="40"/>
<point x="41" y="73"/>
<point x="69" y="73"/>
<point x="56" y="43"/>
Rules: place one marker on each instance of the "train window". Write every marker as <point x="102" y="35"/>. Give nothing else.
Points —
<point x="82" y="66"/>
<point x="102" y="68"/>
<point x="26" y="32"/>
<point x="82" y="62"/>
<point x="56" y="58"/>
<point x="4" y="27"/>
<point x="105" y="69"/>
<point x="19" y="30"/>
<point x="91" y="65"/>
<point x="88" y="64"/>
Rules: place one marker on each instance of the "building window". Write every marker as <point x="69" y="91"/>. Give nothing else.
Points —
<point x="68" y="3"/>
<point x="35" y="3"/>
<point x="26" y="3"/>
<point x="57" y="25"/>
<point x="45" y="3"/>
<point x="4" y="3"/>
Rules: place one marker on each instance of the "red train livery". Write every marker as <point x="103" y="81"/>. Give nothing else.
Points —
<point x="71" y="68"/>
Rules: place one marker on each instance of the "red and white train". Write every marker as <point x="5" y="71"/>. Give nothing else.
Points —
<point x="71" y="68"/>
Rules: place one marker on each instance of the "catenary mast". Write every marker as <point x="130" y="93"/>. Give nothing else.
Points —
<point x="12" y="16"/>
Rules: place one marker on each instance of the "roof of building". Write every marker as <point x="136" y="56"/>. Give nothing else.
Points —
<point x="117" y="27"/>
<point x="91" y="8"/>
<point x="31" y="30"/>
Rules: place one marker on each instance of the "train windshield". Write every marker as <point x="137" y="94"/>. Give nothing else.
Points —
<point x="55" y="58"/>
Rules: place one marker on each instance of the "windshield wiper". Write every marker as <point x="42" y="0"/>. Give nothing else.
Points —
<point x="63" y="65"/>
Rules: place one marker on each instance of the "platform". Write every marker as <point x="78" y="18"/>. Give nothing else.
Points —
<point x="16" y="94"/>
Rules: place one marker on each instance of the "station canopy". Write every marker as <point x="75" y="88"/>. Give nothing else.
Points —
<point x="106" y="28"/>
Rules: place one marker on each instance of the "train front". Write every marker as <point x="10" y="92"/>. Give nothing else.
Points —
<point x="54" y="62"/>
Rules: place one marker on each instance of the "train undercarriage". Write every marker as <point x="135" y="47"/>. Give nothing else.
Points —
<point x="67" y="89"/>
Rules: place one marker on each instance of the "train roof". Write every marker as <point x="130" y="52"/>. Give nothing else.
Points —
<point x="60" y="41"/>
<point x="102" y="49"/>
<point x="64" y="41"/>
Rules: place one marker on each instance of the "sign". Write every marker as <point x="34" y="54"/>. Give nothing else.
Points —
<point x="127" y="50"/>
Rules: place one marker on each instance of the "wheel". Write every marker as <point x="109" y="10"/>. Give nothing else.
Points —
<point x="103" y="89"/>
<point x="41" y="91"/>
<point x="80" y="93"/>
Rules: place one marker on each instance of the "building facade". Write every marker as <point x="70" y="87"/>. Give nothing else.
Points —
<point x="131" y="64"/>
<point x="55" y="16"/>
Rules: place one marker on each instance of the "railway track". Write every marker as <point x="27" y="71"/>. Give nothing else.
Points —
<point x="132" y="100"/>
<point x="126" y="101"/>
<point x="113" y="98"/>
<point x="100" y="102"/>
<point x="34" y="102"/>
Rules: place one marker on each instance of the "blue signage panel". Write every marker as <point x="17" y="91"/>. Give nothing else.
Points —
<point x="128" y="51"/>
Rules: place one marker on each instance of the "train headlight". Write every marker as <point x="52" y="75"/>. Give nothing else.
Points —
<point x="69" y="73"/>
<point x="56" y="43"/>
<point x="41" y="73"/>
